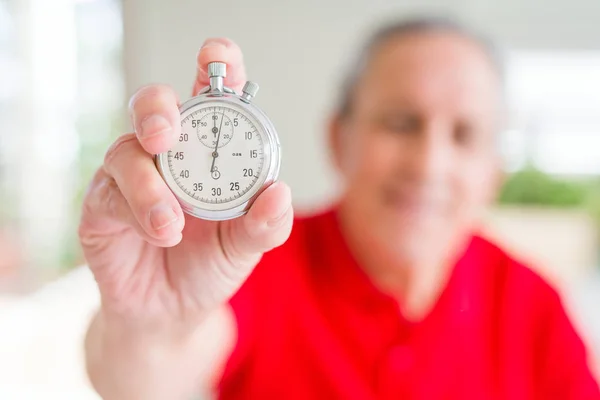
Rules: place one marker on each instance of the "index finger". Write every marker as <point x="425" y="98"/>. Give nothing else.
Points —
<point x="154" y="109"/>
<point x="155" y="115"/>
<point x="223" y="50"/>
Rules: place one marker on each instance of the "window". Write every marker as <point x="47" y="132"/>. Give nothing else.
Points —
<point x="61" y="100"/>
<point x="555" y="103"/>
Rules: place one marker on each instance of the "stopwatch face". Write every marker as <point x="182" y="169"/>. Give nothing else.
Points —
<point x="221" y="159"/>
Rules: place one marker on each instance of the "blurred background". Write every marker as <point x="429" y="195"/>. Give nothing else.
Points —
<point x="68" y="67"/>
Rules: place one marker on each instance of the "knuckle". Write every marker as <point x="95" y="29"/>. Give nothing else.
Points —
<point x="104" y="193"/>
<point x="153" y="188"/>
<point x="150" y="93"/>
<point x="111" y="195"/>
<point x="101" y="200"/>
<point x="118" y="147"/>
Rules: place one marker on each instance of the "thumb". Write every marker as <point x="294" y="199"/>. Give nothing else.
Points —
<point x="267" y="225"/>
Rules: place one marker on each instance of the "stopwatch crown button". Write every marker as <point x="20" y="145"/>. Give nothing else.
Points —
<point x="217" y="69"/>
<point x="250" y="89"/>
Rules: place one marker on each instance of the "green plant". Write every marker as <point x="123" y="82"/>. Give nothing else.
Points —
<point x="533" y="187"/>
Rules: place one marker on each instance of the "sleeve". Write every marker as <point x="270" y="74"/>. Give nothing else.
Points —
<point x="562" y="356"/>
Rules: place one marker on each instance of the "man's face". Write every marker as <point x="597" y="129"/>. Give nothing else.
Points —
<point x="418" y="149"/>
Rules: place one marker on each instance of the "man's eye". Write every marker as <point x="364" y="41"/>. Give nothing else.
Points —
<point x="400" y="124"/>
<point x="463" y="135"/>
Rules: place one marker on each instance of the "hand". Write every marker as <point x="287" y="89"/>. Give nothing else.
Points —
<point x="215" y="153"/>
<point x="156" y="267"/>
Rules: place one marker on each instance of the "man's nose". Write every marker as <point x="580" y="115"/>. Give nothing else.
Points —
<point x="431" y="159"/>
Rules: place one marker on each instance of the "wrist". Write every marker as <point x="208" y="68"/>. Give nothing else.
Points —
<point x="130" y="360"/>
<point x="162" y="331"/>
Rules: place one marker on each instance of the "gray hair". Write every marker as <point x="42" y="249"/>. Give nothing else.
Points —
<point x="408" y="27"/>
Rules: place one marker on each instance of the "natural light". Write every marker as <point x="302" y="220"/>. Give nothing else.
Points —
<point x="555" y="103"/>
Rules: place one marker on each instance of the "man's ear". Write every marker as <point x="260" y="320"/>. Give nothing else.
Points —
<point x="335" y="140"/>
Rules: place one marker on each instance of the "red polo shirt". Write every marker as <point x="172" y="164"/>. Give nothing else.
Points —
<point x="312" y="326"/>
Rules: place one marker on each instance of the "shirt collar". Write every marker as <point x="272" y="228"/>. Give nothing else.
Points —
<point x="351" y="281"/>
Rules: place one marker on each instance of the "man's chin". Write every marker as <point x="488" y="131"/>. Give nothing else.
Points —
<point x="405" y="221"/>
<point x="414" y="250"/>
<point x="414" y="239"/>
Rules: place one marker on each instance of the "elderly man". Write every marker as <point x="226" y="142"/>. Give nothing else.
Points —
<point x="389" y="294"/>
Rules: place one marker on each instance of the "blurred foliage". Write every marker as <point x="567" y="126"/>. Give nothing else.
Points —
<point x="593" y="201"/>
<point x="533" y="187"/>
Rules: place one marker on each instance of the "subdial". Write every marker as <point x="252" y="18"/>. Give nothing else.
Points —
<point x="209" y="126"/>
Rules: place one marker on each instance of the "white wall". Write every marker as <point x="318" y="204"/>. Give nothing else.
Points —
<point x="295" y="50"/>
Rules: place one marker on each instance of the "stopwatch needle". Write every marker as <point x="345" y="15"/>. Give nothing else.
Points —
<point x="215" y="154"/>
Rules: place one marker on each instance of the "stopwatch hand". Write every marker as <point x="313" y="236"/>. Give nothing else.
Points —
<point x="215" y="154"/>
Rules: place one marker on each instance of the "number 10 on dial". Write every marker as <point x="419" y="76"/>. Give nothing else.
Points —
<point x="226" y="154"/>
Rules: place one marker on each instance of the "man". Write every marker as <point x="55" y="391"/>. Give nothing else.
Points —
<point x="390" y="294"/>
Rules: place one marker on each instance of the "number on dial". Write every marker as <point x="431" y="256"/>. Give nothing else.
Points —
<point x="220" y="154"/>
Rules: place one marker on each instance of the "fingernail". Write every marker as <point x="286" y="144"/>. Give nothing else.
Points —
<point x="162" y="216"/>
<point x="213" y="43"/>
<point x="278" y="221"/>
<point x="154" y="125"/>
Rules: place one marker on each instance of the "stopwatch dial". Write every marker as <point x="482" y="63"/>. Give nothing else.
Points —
<point x="225" y="165"/>
<point x="210" y="125"/>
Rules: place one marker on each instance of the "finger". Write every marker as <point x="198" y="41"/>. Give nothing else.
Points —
<point x="266" y="225"/>
<point x="153" y="204"/>
<point x="105" y="210"/>
<point x="223" y="50"/>
<point x="106" y="213"/>
<point x="155" y="115"/>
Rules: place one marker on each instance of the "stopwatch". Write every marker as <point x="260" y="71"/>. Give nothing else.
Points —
<point x="227" y="153"/>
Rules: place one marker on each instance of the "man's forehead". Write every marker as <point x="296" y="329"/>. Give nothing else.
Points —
<point x="443" y="53"/>
<point x="436" y="64"/>
<point x="419" y="56"/>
